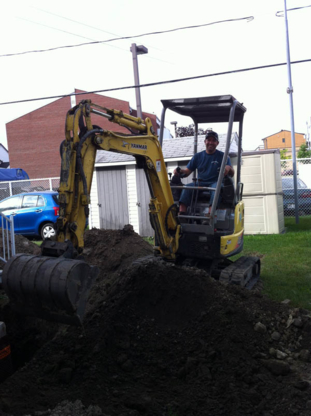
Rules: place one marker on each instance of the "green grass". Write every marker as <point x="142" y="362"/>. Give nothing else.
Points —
<point x="286" y="262"/>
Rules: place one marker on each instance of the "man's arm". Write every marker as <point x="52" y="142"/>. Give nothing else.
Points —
<point x="183" y="172"/>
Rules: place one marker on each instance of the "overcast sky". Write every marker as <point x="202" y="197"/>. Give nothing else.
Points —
<point x="33" y="25"/>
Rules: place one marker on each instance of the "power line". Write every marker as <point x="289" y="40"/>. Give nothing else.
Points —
<point x="248" y="19"/>
<point x="153" y="84"/>
<point x="80" y="23"/>
<point x="63" y="31"/>
<point x="84" y="37"/>
<point x="278" y="14"/>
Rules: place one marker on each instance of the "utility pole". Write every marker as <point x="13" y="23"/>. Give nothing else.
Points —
<point x="137" y="50"/>
<point x="290" y="92"/>
<point x="174" y="123"/>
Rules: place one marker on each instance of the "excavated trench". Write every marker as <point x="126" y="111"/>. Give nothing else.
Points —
<point x="159" y="339"/>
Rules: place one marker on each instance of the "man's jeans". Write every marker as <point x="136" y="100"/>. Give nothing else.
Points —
<point x="186" y="195"/>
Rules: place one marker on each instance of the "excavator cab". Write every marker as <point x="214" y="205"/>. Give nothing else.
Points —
<point x="211" y="239"/>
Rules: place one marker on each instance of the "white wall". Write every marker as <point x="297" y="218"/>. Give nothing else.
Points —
<point x="262" y="198"/>
<point x="4" y="155"/>
<point x="94" y="208"/>
<point x="132" y="196"/>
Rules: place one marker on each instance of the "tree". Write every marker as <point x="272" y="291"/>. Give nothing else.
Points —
<point x="303" y="152"/>
<point x="283" y="154"/>
<point x="189" y="131"/>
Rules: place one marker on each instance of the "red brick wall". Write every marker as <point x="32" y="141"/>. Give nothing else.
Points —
<point x="34" y="139"/>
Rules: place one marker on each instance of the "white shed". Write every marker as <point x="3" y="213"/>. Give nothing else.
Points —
<point x="262" y="193"/>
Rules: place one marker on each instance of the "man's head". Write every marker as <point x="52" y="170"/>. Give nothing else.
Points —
<point x="211" y="141"/>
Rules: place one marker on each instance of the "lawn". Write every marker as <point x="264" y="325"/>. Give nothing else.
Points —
<point x="286" y="261"/>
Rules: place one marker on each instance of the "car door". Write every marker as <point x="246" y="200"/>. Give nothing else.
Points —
<point x="30" y="213"/>
<point x="10" y="207"/>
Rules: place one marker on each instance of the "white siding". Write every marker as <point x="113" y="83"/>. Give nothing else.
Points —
<point x="132" y="196"/>
<point x="4" y="155"/>
<point x="254" y="220"/>
<point x="94" y="209"/>
<point x="261" y="176"/>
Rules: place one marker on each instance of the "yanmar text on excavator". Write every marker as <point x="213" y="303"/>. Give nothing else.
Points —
<point x="56" y="284"/>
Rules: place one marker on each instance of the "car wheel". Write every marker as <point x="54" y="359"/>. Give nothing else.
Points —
<point x="47" y="231"/>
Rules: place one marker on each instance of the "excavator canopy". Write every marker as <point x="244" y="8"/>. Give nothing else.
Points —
<point x="206" y="109"/>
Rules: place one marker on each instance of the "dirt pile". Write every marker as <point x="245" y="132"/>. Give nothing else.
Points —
<point x="165" y="340"/>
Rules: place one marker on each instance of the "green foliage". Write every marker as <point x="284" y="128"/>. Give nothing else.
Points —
<point x="283" y="154"/>
<point x="189" y="131"/>
<point x="303" y="152"/>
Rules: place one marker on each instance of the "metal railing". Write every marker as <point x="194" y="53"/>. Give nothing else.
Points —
<point x="8" y="238"/>
<point x="303" y="186"/>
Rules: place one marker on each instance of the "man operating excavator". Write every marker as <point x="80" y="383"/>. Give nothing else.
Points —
<point x="207" y="163"/>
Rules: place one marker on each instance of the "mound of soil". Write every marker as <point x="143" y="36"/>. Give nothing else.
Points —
<point x="160" y="339"/>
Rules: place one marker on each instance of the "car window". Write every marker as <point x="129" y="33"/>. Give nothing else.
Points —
<point x="40" y="201"/>
<point x="10" y="203"/>
<point x="56" y="198"/>
<point x="288" y="183"/>
<point x="29" y="201"/>
<point x="301" y="184"/>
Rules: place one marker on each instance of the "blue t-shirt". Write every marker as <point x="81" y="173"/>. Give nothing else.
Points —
<point x="208" y="166"/>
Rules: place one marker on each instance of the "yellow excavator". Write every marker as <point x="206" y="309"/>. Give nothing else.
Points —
<point x="56" y="284"/>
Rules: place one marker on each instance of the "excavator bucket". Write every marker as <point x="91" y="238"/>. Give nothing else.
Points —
<point x="55" y="289"/>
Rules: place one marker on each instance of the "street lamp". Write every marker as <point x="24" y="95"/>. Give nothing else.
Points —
<point x="137" y="50"/>
<point x="174" y="123"/>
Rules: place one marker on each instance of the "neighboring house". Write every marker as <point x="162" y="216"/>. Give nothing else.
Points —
<point x="34" y="139"/>
<point x="282" y="140"/>
<point x="4" y="157"/>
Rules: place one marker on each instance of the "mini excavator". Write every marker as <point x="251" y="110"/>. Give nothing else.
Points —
<point x="56" y="284"/>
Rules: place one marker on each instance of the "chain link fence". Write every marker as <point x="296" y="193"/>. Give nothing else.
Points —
<point x="303" y="167"/>
<point x="29" y="185"/>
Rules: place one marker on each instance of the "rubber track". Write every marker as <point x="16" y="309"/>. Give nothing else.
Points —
<point x="241" y="272"/>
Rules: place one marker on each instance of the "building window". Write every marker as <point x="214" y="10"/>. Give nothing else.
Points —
<point x="283" y="140"/>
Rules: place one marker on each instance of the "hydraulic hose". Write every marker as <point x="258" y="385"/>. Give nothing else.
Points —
<point x="79" y="157"/>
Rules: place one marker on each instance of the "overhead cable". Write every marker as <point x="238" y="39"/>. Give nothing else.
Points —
<point x="281" y="12"/>
<point x="152" y="84"/>
<point x="248" y="19"/>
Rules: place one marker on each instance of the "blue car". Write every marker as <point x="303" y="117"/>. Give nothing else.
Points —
<point x="303" y="194"/>
<point x="34" y="213"/>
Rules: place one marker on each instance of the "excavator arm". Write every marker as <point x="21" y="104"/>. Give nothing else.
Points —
<point x="55" y="285"/>
<point x="78" y="153"/>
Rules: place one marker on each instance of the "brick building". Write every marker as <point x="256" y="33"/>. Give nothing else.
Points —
<point x="282" y="140"/>
<point x="34" y="139"/>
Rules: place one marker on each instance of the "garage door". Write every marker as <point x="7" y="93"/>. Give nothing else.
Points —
<point x="112" y="198"/>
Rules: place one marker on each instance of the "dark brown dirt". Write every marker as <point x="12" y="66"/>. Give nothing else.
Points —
<point x="164" y="340"/>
